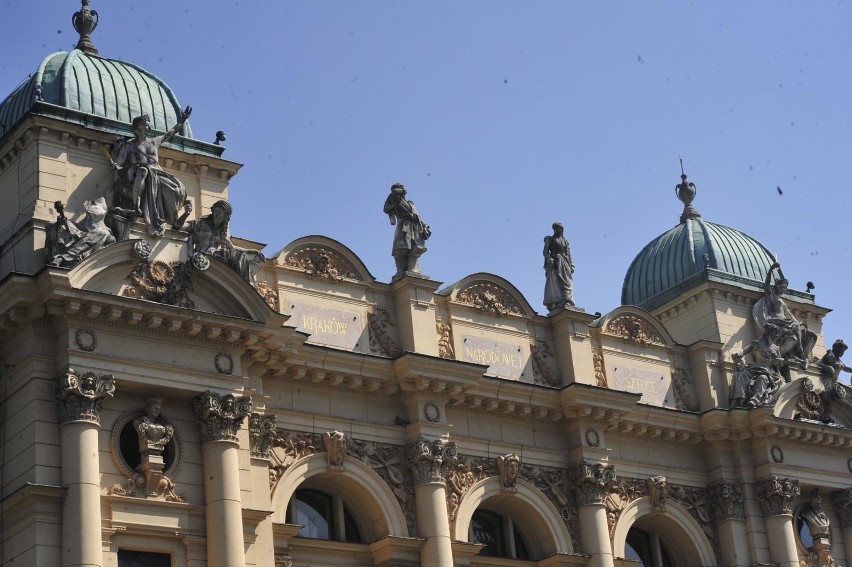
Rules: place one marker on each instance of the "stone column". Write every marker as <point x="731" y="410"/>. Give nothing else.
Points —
<point x="776" y="495"/>
<point x="220" y="418"/>
<point x="429" y="460"/>
<point x="79" y="400"/>
<point x="726" y="499"/>
<point x="590" y="485"/>
<point x="842" y="500"/>
<point x="261" y="437"/>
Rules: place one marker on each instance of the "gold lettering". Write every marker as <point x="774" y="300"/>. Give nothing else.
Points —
<point x="326" y="326"/>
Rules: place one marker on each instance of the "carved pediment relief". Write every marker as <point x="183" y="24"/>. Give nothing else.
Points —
<point x="489" y="297"/>
<point x="634" y="329"/>
<point x="322" y="262"/>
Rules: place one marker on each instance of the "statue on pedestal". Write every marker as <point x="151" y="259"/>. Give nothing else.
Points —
<point x="559" y="270"/>
<point x="411" y="233"/>
<point x="154" y="434"/>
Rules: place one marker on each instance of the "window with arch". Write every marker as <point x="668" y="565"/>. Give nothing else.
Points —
<point x="500" y="535"/>
<point x="647" y="548"/>
<point x="323" y="515"/>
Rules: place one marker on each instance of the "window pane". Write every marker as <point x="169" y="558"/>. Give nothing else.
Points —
<point x="487" y="529"/>
<point x="127" y="558"/>
<point x="520" y="545"/>
<point x="638" y="547"/>
<point x="353" y="535"/>
<point x="313" y="511"/>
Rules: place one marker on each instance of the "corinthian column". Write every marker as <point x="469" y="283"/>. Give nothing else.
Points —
<point x="590" y="484"/>
<point x="726" y="499"/>
<point x="220" y="418"/>
<point x="429" y="460"/>
<point x="776" y="495"/>
<point x="842" y="500"/>
<point x="79" y="399"/>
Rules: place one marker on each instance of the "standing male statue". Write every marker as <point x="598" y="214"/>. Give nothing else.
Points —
<point x="559" y="270"/>
<point x="153" y="194"/>
<point x="409" y="238"/>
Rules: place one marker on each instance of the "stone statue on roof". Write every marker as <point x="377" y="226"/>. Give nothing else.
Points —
<point x="411" y="233"/>
<point x="144" y="189"/>
<point x="68" y="243"/>
<point x="559" y="270"/>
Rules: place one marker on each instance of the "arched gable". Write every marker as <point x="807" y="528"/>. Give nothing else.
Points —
<point x="323" y="257"/>
<point x="636" y="325"/>
<point x="803" y="398"/>
<point x="132" y="268"/>
<point x="490" y="294"/>
<point x="369" y="497"/>
<point x="675" y="525"/>
<point x="542" y="522"/>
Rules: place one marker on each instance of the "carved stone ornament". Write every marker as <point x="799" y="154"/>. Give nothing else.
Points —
<point x="168" y="283"/>
<point x="81" y="397"/>
<point x="163" y="490"/>
<point x="696" y="501"/>
<point x="388" y="461"/>
<point x="445" y="340"/>
<point x="261" y="434"/>
<point x="593" y="438"/>
<point x="816" y="406"/>
<point x="842" y="500"/>
<point x="727" y="500"/>
<point x="553" y="483"/>
<point x="509" y="466"/>
<point x="287" y="448"/>
<point x="461" y="475"/>
<point x="86" y="340"/>
<point x="777" y="454"/>
<point x="220" y="417"/>
<point x="379" y="321"/>
<point x="429" y="460"/>
<point x="283" y="560"/>
<point x="681" y="383"/>
<point x="619" y="495"/>
<point x="335" y="443"/>
<point x="490" y="298"/>
<point x="591" y="482"/>
<point x="322" y="262"/>
<point x="600" y="372"/>
<point x="224" y="363"/>
<point x="776" y="495"/>
<point x="658" y="489"/>
<point x="270" y="295"/>
<point x="154" y="433"/>
<point x="543" y="372"/>
<point x="818" y="523"/>
<point x="634" y="329"/>
<point x="431" y="412"/>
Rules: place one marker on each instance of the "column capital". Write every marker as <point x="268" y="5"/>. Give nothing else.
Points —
<point x="726" y="499"/>
<point x="220" y="417"/>
<point x="842" y="500"/>
<point x="80" y="397"/>
<point x="429" y="460"/>
<point x="776" y="495"/>
<point x="591" y="481"/>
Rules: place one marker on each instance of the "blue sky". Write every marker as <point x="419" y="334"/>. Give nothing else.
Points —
<point x="502" y="117"/>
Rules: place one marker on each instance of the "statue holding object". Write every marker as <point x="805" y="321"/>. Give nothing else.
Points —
<point x="411" y="233"/>
<point x="559" y="270"/>
<point x="68" y="242"/>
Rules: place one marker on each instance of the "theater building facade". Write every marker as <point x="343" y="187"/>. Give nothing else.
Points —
<point x="172" y="397"/>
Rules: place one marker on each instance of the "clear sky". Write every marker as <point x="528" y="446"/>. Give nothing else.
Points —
<point x="502" y="117"/>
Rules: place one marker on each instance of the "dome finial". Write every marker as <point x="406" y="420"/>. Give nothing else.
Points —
<point x="686" y="191"/>
<point x="85" y="21"/>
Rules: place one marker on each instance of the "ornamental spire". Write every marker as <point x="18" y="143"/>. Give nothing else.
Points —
<point x="686" y="191"/>
<point x="85" y="21"/>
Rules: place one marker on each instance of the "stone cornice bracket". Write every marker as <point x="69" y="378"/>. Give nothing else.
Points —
<point x="429" y="460"/>
<point x="81" y="397"/>
<point x="220" y="417"/>
<point x="842" y="500"/>
<point x="591" y="482"/>
<point x="726" y="499"/>
<point x="261" y="434"/>
<point x="776" y="495"/>
<point x="658" y="490"/>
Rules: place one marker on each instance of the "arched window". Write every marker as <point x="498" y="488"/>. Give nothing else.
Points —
<point x="499" y="534"/>
<point x="324" y="516"/>
<point x="647" y="548"/>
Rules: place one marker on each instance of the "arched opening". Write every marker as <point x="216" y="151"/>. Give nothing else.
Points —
<point x="501" y="535"/>
<point x="648" y="548"/>
<point x="323" y="516"/>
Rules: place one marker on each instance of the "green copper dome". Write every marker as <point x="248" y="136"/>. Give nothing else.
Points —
<point x="89" y="85"/>
<point x="692" y="252"/>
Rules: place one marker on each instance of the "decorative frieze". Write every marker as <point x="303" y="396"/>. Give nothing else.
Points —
<point x="776" y="495"/>
<point x="388" y="462"/>
<point x="445" y="340"/>
<point x="490" y="298"/>
<point x="334" y="443"/>
<point x="261" y="434"/>
<point x="726" y="499"/>
<point x="287" y="448"/>
<point x="164" y="489"/>
<point x="379" y="321"/>
<point x="619" y="495"/>
<point x="591" y="481"/>
<point x="81" y="397"/>
<point x="461" y="475"/>
<point x="429" y="460"/>
<point x="634" y="329"/>
<point x="220" y="417"/>
<point x="321" y="262"/>
<point x="543" y="372"/>
<point x="553" y="484"/>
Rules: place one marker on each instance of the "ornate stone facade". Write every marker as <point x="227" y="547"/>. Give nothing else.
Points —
<point x="220" y="417"/>
<point x="842" y="500"/>
<point x="727" y="501"/>
<point x="335" y="444"/>
<point x="80" y="397"/>
<point x="591" y="482"/>
<point x="445" y="340"/>
<point x="634" y="329"/>
<point x="261" y="434"/>
<point x="430" y="460"/>
<point x="542" y="359"/>
<point x="380" y="323"/>
<point x="490" y="298"/>
<point x="322" y="262"/>
<point x="776" y="495"/>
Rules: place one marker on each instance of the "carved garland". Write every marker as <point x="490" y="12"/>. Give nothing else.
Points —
<point x="445" y="339"/>
<point x="683" y="399"/>
<point x="543" y="372"/>
<point x="634" y="329"/>
<point x="379" y="321"/>
<point x="600" y="372"/>
<point x="322" y="262"/>
<point x="489" y="297"/>
<point x="270" y="295"/>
